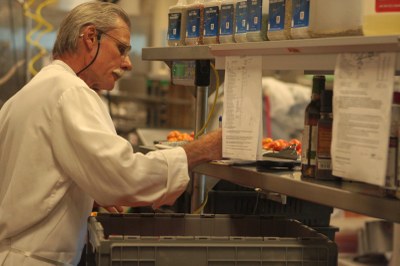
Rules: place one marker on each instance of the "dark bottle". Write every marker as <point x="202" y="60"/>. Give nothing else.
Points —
<point x="392" y="169"/>
<point x="324" y="138"/>
<point x="311" y="117"/>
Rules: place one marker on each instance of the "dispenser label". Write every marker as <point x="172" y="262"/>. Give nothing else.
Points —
<point x="300" y="13"/>
<point x="174" y="26"/>
<point x="276" y="20"/>
<point x="193" y="23"/>
<point x="211" y="15"/>
<point x="387" y="5"/>
<point x="226" y="25"/>
<point x="241" y="17"/>
<point x="254" y="18"/>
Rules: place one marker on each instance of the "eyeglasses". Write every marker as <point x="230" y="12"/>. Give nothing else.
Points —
<point x="123" y="48"/>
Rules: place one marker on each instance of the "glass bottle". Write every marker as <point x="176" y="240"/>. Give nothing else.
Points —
<point x="392" y="169"/>
<point x="324" y="138"/>
<point x="311" y="117"/>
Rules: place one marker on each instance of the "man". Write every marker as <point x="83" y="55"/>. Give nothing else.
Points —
<point x="59" y="151"/>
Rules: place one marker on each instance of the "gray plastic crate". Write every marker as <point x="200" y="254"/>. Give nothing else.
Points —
<point x="199" y="240"/>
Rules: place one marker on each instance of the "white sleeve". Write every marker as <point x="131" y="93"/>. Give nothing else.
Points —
<point x="103" y="164"/>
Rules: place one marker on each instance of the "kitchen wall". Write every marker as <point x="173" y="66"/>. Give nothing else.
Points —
<point x="16" y="52"/>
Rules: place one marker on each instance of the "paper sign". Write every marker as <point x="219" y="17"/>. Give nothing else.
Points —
<point x="242" y="117"/>
<point x="362" y="100"/>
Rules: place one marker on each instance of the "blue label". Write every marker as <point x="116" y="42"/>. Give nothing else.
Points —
<point x="193" y="23"/>
<point x="241" y="17"/>
<point x="174" y="26"/>
<point x="226" y="24"/>
<point x="211" y="15"/>
<point x="276" y="19"/>
<point x="254" y="8"/>
<point x="300" y="13"/>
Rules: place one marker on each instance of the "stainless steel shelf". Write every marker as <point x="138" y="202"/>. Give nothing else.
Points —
<point x="332" y="45"/>
<point x="347" y="195"/>
<point x="149" y="99"/>
<point x="201" y="52"/>
<point x="306" y="54"/>
<point x="310" y="55"/>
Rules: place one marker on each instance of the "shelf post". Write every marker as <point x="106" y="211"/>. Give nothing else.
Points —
<point x="202" y="83"/>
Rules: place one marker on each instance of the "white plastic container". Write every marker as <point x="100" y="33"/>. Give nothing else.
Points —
<point x="381" y="17"/>
<point x="279" y="20"/>
<point x="326" y="18"/>
<point x="195" y="23"/>
<point x="257" y="20"/>
<point x="177" y="24"/>
<point x="211" y="21"/>
<point x="240" y="21"/>
<point x="227" y="22"/>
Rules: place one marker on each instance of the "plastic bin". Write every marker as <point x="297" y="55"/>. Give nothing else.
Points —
<point x="250" y="202"/>
<point x="199" y="240"/>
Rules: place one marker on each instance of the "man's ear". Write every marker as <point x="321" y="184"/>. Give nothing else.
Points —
<point x="90" y="35"/>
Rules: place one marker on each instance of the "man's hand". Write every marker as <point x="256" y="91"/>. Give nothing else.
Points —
<point x="207" y="148"/>
<point x="112" y="209"/>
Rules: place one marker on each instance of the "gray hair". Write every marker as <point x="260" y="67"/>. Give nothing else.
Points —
<point x="102" y="15"/>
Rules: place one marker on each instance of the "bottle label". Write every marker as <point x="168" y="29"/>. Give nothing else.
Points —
<point x="387" y="6"/>
<point x="305" y="145"/>
<point x="313" y="145"/>
<point x="193" y="23"/>
<point x="211" y="15"/>
<point x="324" y="141"/>
<point x="174" y="26"/>
<point x="309" y="144"/>
<point x="254" y="12"/>
<point x="324" y="164"/>
<point x="300" y="13"/>
<point x="226" y="25"/>
<point x="241" y="17"/>
<point x="276" y="21"/>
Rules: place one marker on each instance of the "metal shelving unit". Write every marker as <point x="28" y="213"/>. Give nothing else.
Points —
<point x="311" y="55"/>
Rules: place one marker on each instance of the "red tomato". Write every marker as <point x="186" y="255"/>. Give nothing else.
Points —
<point x="297" y="143"/>
<point x="277" y="145"/>
<point x="266" y="140"/>
<point x="283" y="143"/>
<point x="269" y="145"/>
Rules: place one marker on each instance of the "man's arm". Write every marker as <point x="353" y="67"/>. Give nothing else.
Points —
<point x="208" y="147"/>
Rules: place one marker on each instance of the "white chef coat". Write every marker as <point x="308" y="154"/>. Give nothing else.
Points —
<point x="59" y="151"/>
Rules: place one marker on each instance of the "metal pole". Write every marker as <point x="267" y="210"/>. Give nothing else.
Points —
<point x="202" y="83"/>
